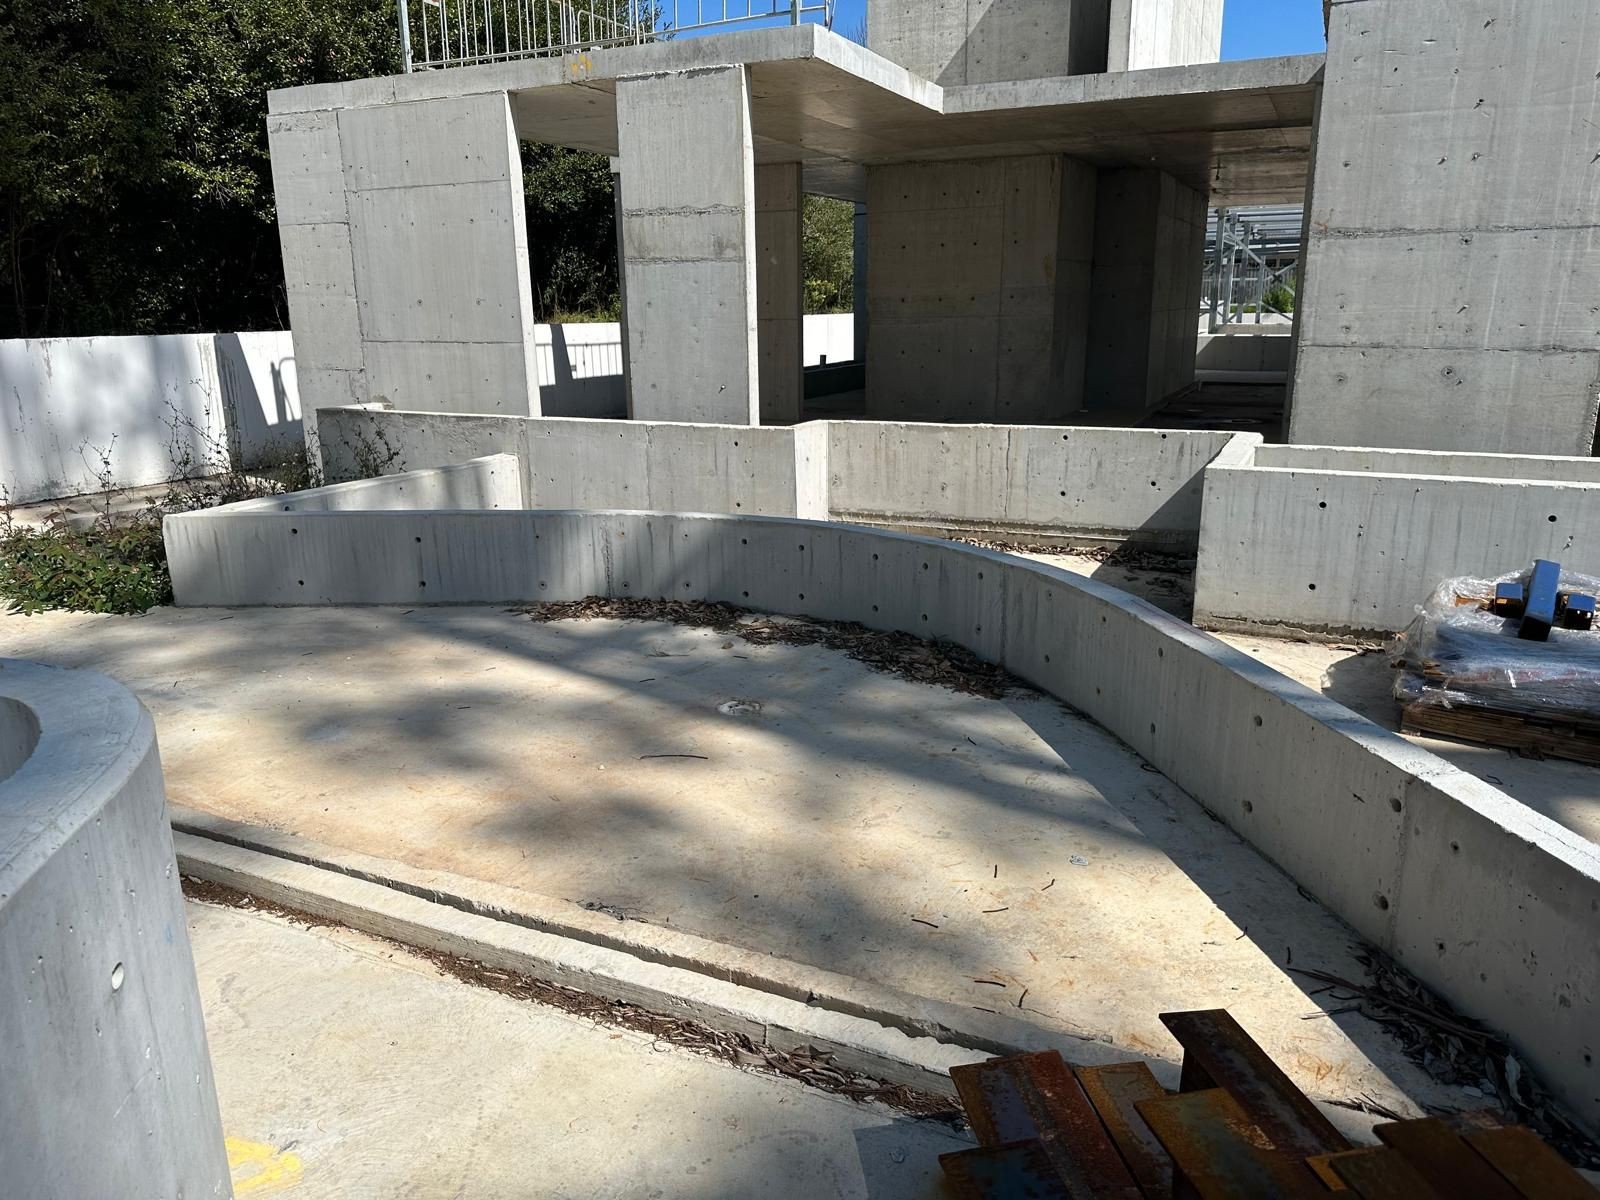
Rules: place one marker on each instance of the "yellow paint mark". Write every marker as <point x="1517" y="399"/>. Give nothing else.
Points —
<point x="258" y="1168"/>
<point x="580" y="64"/>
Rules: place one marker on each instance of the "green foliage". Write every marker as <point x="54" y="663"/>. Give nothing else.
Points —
<point x="1280" y="298"/>
<point x="135" y="190"/>
<point x="113" y="566"/>
<point x="572" y="233"/>
<point x="828" y="254"/>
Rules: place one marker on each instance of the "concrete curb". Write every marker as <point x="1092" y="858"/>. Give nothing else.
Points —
<point x="874" y="1044"/>
<point x="817" y="988"/>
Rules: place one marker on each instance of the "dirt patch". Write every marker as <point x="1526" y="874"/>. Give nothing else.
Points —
<point x="808" y="1065"/>
<point x="905" y="655"/>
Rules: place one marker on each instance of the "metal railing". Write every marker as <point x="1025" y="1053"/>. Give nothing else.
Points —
<point x="457" y="33"/>
<point x="1246" y="261"/>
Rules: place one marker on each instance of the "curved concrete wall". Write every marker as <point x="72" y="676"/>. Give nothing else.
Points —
<point x="1489" y="903"/>
<point x="107" y="1084"/>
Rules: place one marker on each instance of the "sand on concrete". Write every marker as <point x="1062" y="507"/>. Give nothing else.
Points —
<point x="1006" y="855"/>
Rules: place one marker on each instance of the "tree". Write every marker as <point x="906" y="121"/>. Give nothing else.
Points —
<point x="135" y="183"/>
<point x="828" y="254"/>
<point x="572" y="233"/>
<point x="134" y="174"/>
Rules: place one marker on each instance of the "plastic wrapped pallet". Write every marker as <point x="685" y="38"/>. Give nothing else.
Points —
<point x="1464" y="673"/>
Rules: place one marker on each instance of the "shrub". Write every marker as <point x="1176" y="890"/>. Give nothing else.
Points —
<point x="113" y="566"/>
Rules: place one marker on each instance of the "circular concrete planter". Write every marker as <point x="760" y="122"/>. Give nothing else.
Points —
<point x="107" y="1086"/>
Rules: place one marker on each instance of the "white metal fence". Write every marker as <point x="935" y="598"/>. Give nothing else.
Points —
<point x="455" y="33"/>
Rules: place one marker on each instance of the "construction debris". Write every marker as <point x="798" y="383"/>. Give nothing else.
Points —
<point x="1456" y="1050"/>
<point x="1479" y="665"/>
<point x="943" y="664"/>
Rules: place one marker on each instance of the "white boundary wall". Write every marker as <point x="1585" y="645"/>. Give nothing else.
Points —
<point x="65" y="397"/>
<point x="108" y="1089"/>
<point x="1032" y="482"/>
<point x="1337" y="541"/>
<point x="1487" y="902"/>
<point x="62" y="400"/>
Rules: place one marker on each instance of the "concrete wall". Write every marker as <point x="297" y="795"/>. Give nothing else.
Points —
<point x="978" y="289"/>
<point x="689" y="245"/>
<point x="154" y="403"/>
<point x="1028" y="482"/>
<point x="1485" y="901"/>
<point x="1163" y="33"/>
<point x="1451" y="285"/>
<point x="596" y="464"/>
<point x="1335" y="540"/>
<point x="1149" y="246"/>
<point x="954" y="42"/>
<point x="1044" y="484"/>
<point x="1244" y="354"/>
<point x="109" y="1088"/>
<point x="405" y="254"/>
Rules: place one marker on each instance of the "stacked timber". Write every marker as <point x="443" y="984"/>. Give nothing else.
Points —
<point x="1465" y="674"/>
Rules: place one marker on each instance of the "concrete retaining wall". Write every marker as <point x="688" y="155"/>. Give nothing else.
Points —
<point x="1337" y="541"/>
<point x="109" y="1088"/>
<point x="1487" y="902"/>
<point x="1030" y="481"/>
<point x="1043" y="483"/>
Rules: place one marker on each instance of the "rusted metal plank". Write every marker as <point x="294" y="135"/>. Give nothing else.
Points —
<point x="1220" y="1154"/>
<point x="1444" y="1160"/>
<point x="1384" y="1174"/>
<point x="1322" y="1167"/>
<point x="1035" y="1096"/>
<point x="993" y="1098"/>
<point x="1529" y="1165"/>
<point x="1217" y="1052"/>
<point x="1016" y="1171"/>
<point x="1114" y="1090"/>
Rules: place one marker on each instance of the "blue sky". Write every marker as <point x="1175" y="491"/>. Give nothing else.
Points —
<point x="1250" y="28"/>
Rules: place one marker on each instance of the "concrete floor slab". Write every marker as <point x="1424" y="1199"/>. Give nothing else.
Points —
<point x="349" y="1068"/>
<point x="1005" y="855"/>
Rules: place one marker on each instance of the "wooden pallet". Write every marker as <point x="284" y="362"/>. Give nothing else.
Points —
<point x="1552" y="737"/>
<point x="1237" y="1129"/>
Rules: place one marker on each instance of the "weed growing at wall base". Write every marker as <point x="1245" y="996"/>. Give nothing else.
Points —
<point x="120" y="567"/>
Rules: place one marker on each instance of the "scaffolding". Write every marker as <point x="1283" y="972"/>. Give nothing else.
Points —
<point x="1249" y="253"/>
<point x="435" y="34"/>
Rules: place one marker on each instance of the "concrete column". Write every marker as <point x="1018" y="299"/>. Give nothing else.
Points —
<point x="780" y="299"/>
<point x="979" y="289"/>
<point x="689" y="239"/>
<point x="622" y="286"/>
<point x="1452" y="273"/>
<point x="439" y="240"/>
<point x="1164" y="33"/>
<point x="1148" y="271"/>
<point x="858" y="290"/>
<point x="955" y="42"/>
<point x="318" y="272"/>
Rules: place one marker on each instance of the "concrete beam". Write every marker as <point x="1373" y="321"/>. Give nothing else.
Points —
<point x="689" y="246"/>
<point x="955" y="42"/>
